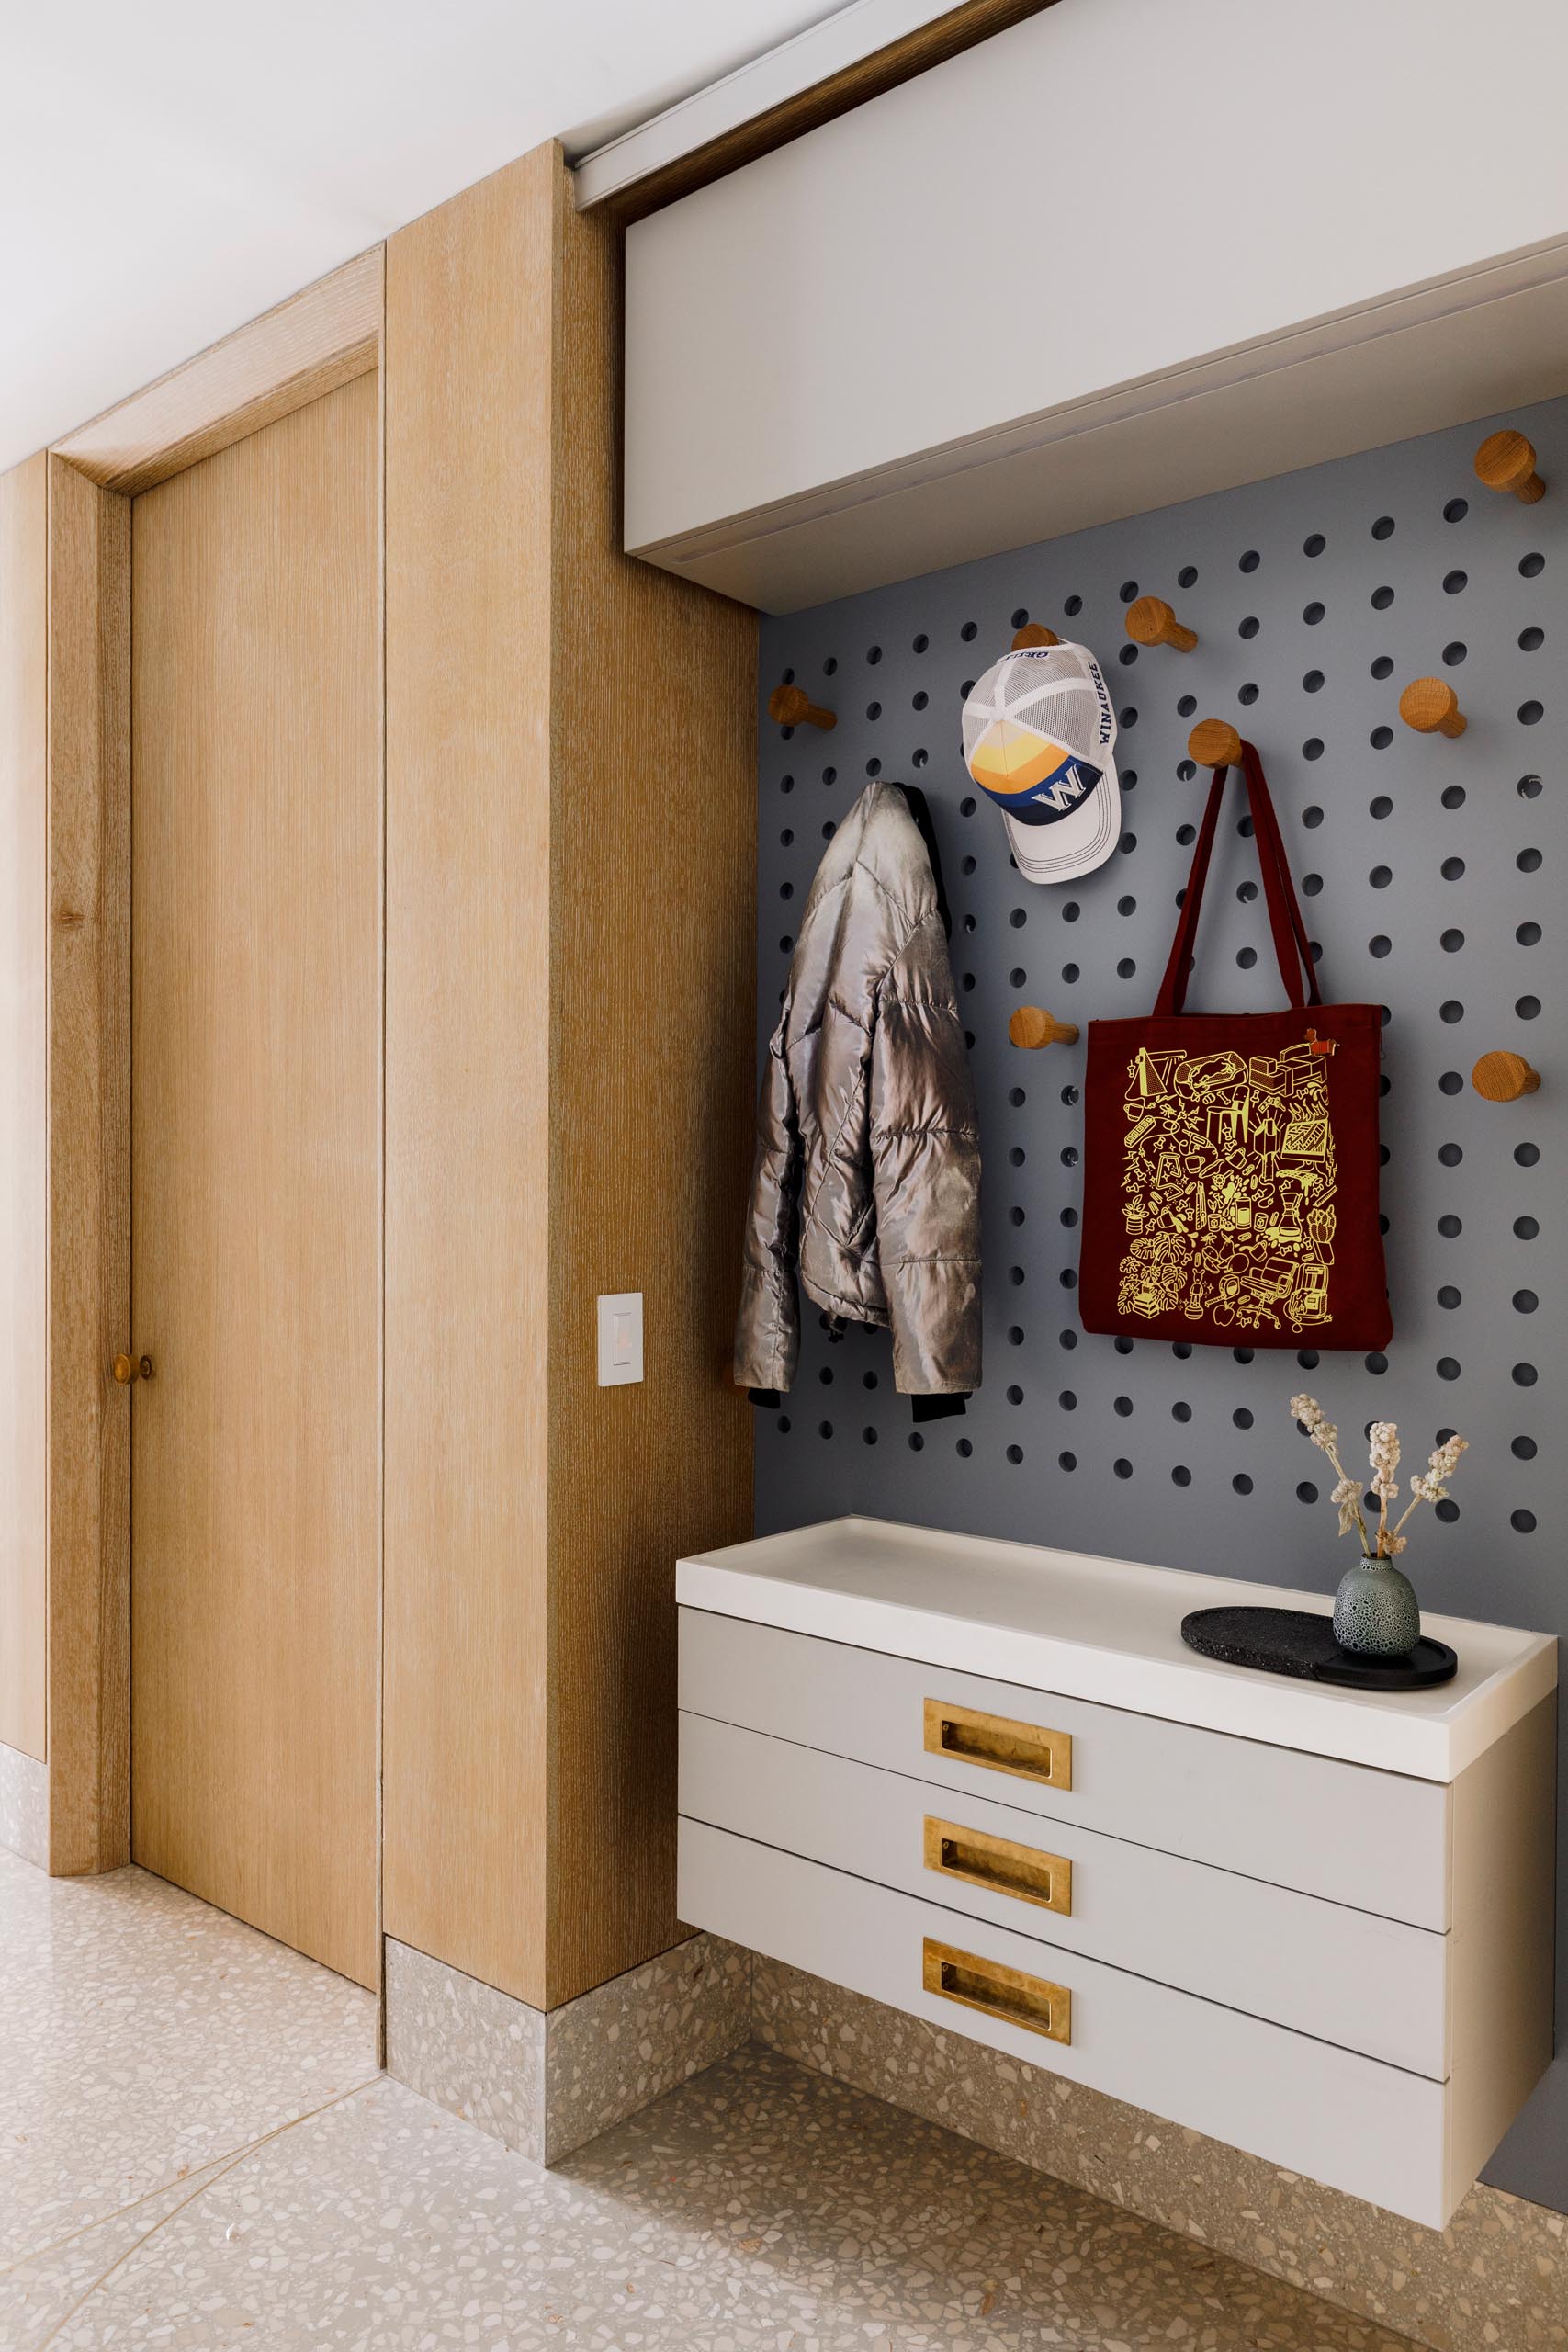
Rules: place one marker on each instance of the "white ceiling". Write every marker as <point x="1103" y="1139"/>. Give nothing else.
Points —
<point x="169" y="170"/>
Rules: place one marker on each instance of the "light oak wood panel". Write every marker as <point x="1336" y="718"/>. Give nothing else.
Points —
<point x="321" y="337"/>
<point x="23" y="1130"/>
<point x="946" y="36"/>
<point x="570" y="856"/>
<point x="256" y="1178"/>
<point x="89" y="1170"/>
<point x="470" y="398"/>
<point x="652" y="1082"/>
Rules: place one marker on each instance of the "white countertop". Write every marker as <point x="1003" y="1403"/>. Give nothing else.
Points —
<point x="1110" y="1631"/>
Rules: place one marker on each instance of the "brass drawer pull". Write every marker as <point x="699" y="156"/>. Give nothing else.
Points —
<point x="997" y="1991"/>
<point x="1003" y="1747"/>
<point x="980" y="1860"/>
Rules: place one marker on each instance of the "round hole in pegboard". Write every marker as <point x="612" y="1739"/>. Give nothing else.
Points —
<point x="1523" y="1449"/>
<point x="920" y="643"/>
<point x="1380" y="599"/>
<point x="1186" y="835"/>
<point x="1181" y="1410"/>
<point x="1455" y="653"/>
<point x="967" y="866"/>
<point x="1380" y="877"/>
<point x="1015" y="1454"/>
<point x="1070" y="911"/>
<point x="1307" y="1358"/>
<point x="969" y="633"/>
<point x="1020" y="617"/>
<point x="1249" y="626"/>
<point x="1122" y="1406"/>
<point x="1311" y="885"/>
<point x="916" y="1442"/>
<point x="1531" y="640"/>
<point x="1379" y="945"/>
<point x="1122" y="1466"/>
<point x="1306" y="1492"/>
<point x="1017" y="1097"/>
<point x="1452" y="869"/>
<point x="1247" y="958"/>
<point x="1528" y="787"/>
<point x="1451" y="1154"/>
<point x="1018" y="917"/>
<point x="1181" y="1349"/>
<point x="1067" y="1460"/>
<point x="1188" y="576"/>
<point x="1017" y="1156"/>
<point x="1127" y="656"/>
<point x="1247" y="694"/>
<point x="1383" y="528"/>
<point x="830" y="775"/>
<point x="1067" y="1217"/>
<point x="1312" y="816"/>
<point x="1528" y="1007"/>
<point x="1073" y="607"/>
<point x="1529" y="713"/>
<point x="1070" y="975"/>
<point x="1016" y="1276"/>
<point x="1125" y="969"/>
<point x="1250" y="561"/>
<point x="1242" y="1418"/>
<point x="964" y="1447"/>
<point x="919" y="701"/>
<point x="1127" y="844"/>
<point x="1526" y="1228"/>
<point x="1246" y="892"/>
<point x="1447" y="1510"/>
<point x="1314" y="544"/>
<point x="1376" y="1362"/>
<point x="1526" y="1155"/>
<point x="1181" y="1475"/>
<point x="1524" y="1302"/>
<point x="1311" y="683"/>
<point x="868" y="1437"/>
<point x="873" y="654"/>
<point x="1528" y="861"/>
<point x="1066" y="1338"/>
<point x="1127" y="719"/>
<point x="1128" y="591"/>
<point x="1450" y="1227"/>
<point x="1452" y="1011"/>
<point x="1456" y="510"/>
<point x="1312" y="613"/>
<point x="1241" y="1484"/>
<point x="1451" y="1082"/>
<point x="1453" y="796"/>
<point x="1522" y="1521"/>
<point x="824" y="1429"/>
<point x="1382" y="667"/>
<point x="1528" y="934"/>
<point x="786" y="943"/>
<point x="1525" y="1376"/>
<point x="1017" y="976"/>
<point x="1455" y="583"/>
<point x="1015" y="1393"/>
<point x="1532" y="566"/>
<point x="1451" y="942"/>
<point x="1017" y="1215"/>
<point x="787" y="783"/>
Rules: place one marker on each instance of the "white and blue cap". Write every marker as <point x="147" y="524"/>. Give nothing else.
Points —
<point x="1038" y="739"/>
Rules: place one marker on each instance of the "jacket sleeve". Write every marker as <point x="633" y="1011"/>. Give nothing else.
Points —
<point x="925" y="1145"/>
<point x="767" y="1331"/>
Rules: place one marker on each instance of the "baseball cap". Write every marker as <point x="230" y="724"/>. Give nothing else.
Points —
<point x="1038" y="733"/>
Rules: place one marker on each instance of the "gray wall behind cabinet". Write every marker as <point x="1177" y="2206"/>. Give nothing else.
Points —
<point x="1434" y="876"/>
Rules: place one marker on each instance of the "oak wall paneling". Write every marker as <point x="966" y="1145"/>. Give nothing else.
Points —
<point x="23" y="1176"/>
<point x="89" y="1170"/>
<point x="570" y="851"/>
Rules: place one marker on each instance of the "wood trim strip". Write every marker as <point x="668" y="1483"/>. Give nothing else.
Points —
<point x="89" y="1172"/>
<point x="946" y="36"/>
<point x="318" y="339"/>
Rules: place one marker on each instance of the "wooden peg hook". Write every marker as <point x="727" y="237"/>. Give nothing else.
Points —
<point x="1506" y="462"/>
<point x="1031" y="1026"/>
<point x="1214" y="743"/>
<point x="1431" y="707"/>
<point x="1034" y="633"/>
<point x="1503" y="1078"/>
<point x="1151" y="622"/>
<point x="792" y="706"/>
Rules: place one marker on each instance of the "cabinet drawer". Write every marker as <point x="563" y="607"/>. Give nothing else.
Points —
<point x="1375" y="1840"/>
<point x="1375" y="2132"/>
<point x="1367" y="1984"/>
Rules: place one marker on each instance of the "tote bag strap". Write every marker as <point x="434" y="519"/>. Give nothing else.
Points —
<point x="1292" y="948"/>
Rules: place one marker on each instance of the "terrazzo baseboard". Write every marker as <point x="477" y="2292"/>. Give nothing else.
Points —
<point x="546" y="2082"/>
<point x="1497" y="2277"/>
<point x="24" y="1806"/>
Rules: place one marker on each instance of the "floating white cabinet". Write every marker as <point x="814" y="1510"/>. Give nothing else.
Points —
<point x="987" y="1783"/>
<point x="1112" y="257"/>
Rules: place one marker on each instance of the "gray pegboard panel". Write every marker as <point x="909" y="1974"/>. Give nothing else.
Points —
<point x="1431" y="873"/>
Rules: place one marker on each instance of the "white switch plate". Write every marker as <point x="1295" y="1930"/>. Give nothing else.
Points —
<point x="620" y="1338"/>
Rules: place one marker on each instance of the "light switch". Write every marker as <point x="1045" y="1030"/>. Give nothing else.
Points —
<point x="620" y="1338"/>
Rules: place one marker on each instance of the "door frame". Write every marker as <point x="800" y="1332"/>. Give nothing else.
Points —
<point x="324" y="336"/>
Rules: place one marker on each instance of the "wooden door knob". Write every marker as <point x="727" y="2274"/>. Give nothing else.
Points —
<point x="1034" y="633"/>
<point x="1214" y="743"/>
<point x="1431" y="708"/>
<point x="1151" y="622"/>
<point x="1506" y="462"/>
<point x="128" y="1368"/>
<point x="1032" y="1026"/>
<point x="792" y="706"/>
<point x="1504" y="1077"/>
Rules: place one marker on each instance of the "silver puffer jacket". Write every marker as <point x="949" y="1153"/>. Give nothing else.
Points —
<point x="868" y="1154"/>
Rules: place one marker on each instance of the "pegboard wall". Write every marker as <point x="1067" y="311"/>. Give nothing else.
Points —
<point x="1431" y="873"/>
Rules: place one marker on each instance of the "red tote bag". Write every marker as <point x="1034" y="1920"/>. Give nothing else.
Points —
<point x="1231" y="1160"/>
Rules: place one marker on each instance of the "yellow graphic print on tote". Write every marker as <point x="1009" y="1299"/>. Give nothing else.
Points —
<point x="1229" y="1175"/>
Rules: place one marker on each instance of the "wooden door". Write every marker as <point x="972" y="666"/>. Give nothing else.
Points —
<point x="256" y="808"/>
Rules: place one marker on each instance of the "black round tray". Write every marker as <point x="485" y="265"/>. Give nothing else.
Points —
<point x="1299" y="1642"/>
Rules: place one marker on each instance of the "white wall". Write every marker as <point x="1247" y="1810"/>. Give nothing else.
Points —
<point x="1108" y="190"/>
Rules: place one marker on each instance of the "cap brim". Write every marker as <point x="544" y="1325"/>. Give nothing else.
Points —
<point x="1074" y="844"/>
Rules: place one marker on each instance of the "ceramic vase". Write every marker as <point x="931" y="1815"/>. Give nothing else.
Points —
<point x="1375" y="1610"/>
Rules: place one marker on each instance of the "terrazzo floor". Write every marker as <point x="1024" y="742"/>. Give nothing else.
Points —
<point x="195" y="2152"/>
